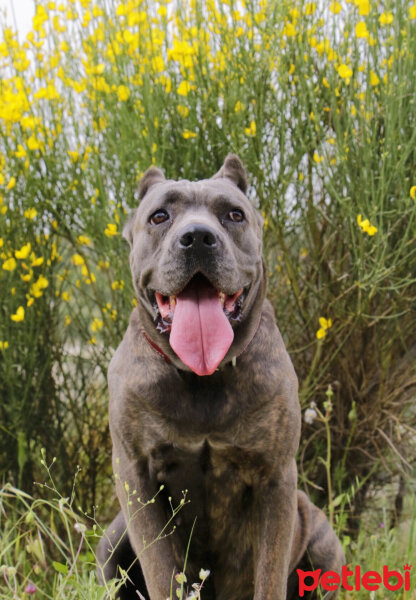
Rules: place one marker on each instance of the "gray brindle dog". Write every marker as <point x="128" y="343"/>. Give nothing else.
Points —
<point x="203" y="397"/>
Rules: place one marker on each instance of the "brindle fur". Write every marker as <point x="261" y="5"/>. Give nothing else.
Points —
<point x="229" y="439"/>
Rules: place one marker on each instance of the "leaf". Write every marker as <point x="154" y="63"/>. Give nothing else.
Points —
<point x="60" y="567"/>
<point x="337" y="501"/>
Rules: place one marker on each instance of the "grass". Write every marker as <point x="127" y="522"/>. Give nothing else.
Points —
<point x="378" y="545"/>
<point x="47" y="548"/>
<point x="318" y="101"/>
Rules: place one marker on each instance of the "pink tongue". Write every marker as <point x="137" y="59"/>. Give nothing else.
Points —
<point x="201" y="333"/>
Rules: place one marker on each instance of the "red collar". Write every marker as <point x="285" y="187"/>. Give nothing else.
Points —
<point x="156" y="347"/>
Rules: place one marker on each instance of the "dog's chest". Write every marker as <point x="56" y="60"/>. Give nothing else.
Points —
<point x="219" y="484"/>
<point x="216" y="441"/>
<point x="207" y="463"/>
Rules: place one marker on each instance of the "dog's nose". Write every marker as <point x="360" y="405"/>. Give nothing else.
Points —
<point x="198" y="237"/>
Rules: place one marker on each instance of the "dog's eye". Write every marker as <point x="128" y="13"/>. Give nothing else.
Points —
<point x="158" y="217"/>
<point x="236" y="215"/>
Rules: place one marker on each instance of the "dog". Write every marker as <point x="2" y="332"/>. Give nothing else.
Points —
<point x="203" y="402"/>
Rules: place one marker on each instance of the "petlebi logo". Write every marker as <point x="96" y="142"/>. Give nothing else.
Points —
<point x="353" y="579"/>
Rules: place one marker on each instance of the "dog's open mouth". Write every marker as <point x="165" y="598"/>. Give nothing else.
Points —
<point x="198" y="319"/>
<point x="166" y="305"/>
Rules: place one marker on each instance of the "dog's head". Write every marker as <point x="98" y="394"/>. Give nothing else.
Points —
<point x="196" y="262"/>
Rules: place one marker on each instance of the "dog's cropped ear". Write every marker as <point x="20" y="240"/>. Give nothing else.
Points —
<point x="152" y="175"/>
<point x="234" y="170"/>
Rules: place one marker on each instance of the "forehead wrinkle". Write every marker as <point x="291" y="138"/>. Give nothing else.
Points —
<point x="173" y="196"/>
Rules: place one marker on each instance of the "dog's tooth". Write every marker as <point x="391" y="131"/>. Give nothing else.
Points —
<point x="221" y="296"/>
<point x="172" y="300"/>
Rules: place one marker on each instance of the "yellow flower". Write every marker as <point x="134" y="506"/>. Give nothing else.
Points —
<point x="9" y="264"/>
<point x="84" y="240"/>
<point x="21" y="152"/>
<point x="366" y="225"/>
<point x="19" y="315"/>
<point x="239" y="106"/>
<point x="111" y="229"/>
<point x="65" y="296"/>
<point x="335" y="7"/>
<point x="361" y="30"/>
<point x="386" y="18"/>
<point x="184" y="88"/>
<point x="36" y="289"/>
<point x="78" y="260"/>
<point x="363" y="7"/>
<point x="289" y="30"/>
<point x="27" y="277"/>
<point x="4" y="345"/>
<point x="251" y="130"/>
<point x="123" y="93"/>
<point x="412" y="11"/>
<point x="374" y="79"/>
<point x="11" y="183"/>
<point x="182" y="52"/>
<point x="413" y="192"/>
<point x="158" y="64"/>
<point x="167" y="82"/>
<point x="33" y="143"/>
<point x="188" y="134"/>
<point x="31" y="213"/>
<point x="317" y="158"/>
<point x="117" y="285"/>
<point x="310" y="8"/>
<point x="23" y="252"/>
<point x="98" y="69"/>
<point x="67" y="320"/>
<point x="325" y="324"/>
<point x="36" y="262"/>
<point x="344" y="72"/>
<point x="183" y="110"/>
<point x="74" y="155"/>
<point x="103" y="264"/>
<point x="96" y="325"/>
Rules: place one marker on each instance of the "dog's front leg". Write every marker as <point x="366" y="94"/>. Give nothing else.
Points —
<point x="277" y="509"/>
<point x="146" y="524"/>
